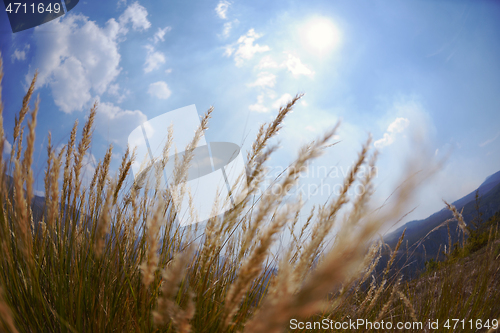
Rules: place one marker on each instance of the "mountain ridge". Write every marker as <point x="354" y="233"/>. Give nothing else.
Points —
<point x="418" y="232"/>
<point x="487" y="185"/>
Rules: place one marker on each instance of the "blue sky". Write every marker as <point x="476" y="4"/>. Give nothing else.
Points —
<point x="390" y="68"/>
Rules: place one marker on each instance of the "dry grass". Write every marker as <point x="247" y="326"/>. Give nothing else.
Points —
<point x="110" y="256"/>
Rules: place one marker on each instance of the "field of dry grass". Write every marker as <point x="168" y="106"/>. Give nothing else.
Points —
<point x="109" y="257"/>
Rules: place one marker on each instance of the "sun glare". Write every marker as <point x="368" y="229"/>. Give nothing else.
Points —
<point x="320" y="35"/>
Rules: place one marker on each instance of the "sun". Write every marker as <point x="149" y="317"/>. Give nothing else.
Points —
<point x="320" y="35"/>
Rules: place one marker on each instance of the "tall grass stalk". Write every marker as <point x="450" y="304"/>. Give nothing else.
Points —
<point x="109" y="256"/>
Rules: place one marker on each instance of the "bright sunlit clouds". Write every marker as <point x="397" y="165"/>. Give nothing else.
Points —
<point x="319" y="35"/>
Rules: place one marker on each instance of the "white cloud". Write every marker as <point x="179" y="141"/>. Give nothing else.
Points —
<point x="227" y="29"/>
<point x="397" y="126"/>
<point x="271" y="93"/>
<point x="386" y="140"/>
<point x="259" y="106"/>
<point x="77" y="94"/>
<point x="245" y="47"/>
<point x="410" y="133"/>
<point x="154" y="59"/>
<point x="115" y="124"/>
<point x="265" y="79"/>
<point x="20" y="55"/>
<point x="228" y="50"/>
<point x="221" y="9"/>
<point x="114" y="90"/>
<point x="7" y="147"/>
<point x="159" y="90"/>
<point x="137" y="15"/>
<point x="296" y="67"/>
<point x="487" y="142"/>
<point x="267" y="62"/>
<point x="79" y="58"/>
<point x="160" y="34"/>
<point x="168" y="71"/>
<point x="283" y="100"/>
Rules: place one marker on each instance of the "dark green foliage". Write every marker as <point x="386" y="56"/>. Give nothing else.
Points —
<point x="431" y="265"/>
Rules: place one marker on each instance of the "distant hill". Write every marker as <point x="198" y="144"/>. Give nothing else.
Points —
<point x="489" y="192"/>
<point x="37" y="205"/>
